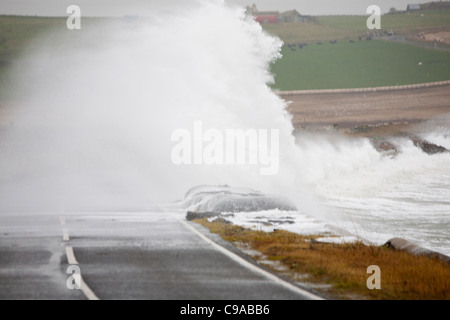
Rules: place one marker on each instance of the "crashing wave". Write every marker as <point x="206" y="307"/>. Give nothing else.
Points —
<point x="226" y="199"/>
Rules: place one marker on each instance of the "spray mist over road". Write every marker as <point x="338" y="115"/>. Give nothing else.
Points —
<point x="98" y="108"/>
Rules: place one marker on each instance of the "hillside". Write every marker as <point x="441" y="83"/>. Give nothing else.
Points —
<point x="324" y="28"/>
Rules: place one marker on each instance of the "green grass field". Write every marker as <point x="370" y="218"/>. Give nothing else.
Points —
<point x="358" y="64"/>
<point x="340" y="65"/>
<point x="324" y="28"/>
<point x="20" y="32"/>
<point x="361" y="63"/>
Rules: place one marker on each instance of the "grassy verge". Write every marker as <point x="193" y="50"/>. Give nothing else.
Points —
<point x="343" y="267"/>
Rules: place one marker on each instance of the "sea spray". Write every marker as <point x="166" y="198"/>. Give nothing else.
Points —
<point x="99" y="107"/>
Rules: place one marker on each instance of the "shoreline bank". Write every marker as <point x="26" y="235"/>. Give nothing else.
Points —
<point x="339" y="271"/>
<point x="369" y="113"/>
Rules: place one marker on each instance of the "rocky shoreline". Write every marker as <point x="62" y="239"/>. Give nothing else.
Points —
<point x="384" y="146"/>
<point x="369" y="113"/>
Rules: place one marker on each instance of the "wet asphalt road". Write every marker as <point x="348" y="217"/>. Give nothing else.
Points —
<point x="145" y="255"/>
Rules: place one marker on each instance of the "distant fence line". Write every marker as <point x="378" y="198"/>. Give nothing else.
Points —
<point x="364" y="90"/>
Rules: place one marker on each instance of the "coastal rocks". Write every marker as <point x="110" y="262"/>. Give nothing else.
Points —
<point x="405" y="245"/>
<point x="428" y="147"/>
<point x="388" y="148"/>
<point x="385" y="147"/>
<point x="210" y="201"/>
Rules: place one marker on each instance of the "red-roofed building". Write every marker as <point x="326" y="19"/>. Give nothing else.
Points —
<point x="266" y="18"/>
<point x="275" y="16"/>
<point x="263" y="16"/>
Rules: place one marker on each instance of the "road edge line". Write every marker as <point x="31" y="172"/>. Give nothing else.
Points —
<point x="251" y="266"/>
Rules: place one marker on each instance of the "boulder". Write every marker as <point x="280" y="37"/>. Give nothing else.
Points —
<point x="405" y="245"/>
<point x="428" y="147"/>
<point x="385" y="147"/>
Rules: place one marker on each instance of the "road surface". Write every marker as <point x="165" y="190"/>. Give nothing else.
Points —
<point x="139" y="255"/>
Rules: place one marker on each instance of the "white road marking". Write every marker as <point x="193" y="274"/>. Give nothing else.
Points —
<point x="251" y="266"/>
<point x="87" y="291"/>
<point x="66" y="235"/>
<point x="71" y="256"/>
<point x="92" y="296"/>
<point x="84" y="287"/>
<point x="72" y="260"/>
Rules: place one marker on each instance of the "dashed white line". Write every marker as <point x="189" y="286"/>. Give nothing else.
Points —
<point x="72" y="260"/>
<point x="66" y="235"/>
<point x="87" y="291"/>
<point x="71" y="256"/>
<point x="84" y="287"/>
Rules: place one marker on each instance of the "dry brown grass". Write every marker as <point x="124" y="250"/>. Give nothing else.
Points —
<point x="344" y="266"/>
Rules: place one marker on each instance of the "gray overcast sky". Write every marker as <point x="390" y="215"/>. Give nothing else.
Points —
<point x="121" y="7"/>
